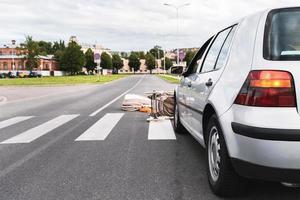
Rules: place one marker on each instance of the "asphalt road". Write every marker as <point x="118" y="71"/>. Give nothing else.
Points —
<point x="42" y="165"/>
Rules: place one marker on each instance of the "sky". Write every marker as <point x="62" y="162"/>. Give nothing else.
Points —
<point x="125" y="25"/>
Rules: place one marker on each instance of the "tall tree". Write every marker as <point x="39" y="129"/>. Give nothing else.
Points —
<point x="31" y="57"/>
<point x="134" y="62"/>
<point x="124" y="55"/>
<point x="45" y="48"/>
<point x="90" y="64"/>
<point x="189" y="56"/>
<point x="142" y="55"/>
<point x="150" y="62"/>
<point x="58" y="49"/>
<point x="58" y="46"/>
<point x="106" y="62"/>
<point x="72" y="59"/>
<point x="169" y="63"/>
<point x="117" y="62"/>
<point x="157" y="52"/>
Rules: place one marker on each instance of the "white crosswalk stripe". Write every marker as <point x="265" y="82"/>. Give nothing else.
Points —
<point x="13" y="121"/>
<point x="34" y="133"/>
<point x="161" y="130"/>
<point x="101" y="129"/>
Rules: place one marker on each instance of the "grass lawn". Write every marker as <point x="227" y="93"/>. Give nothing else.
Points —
<point x="170" y="79"/>
<point x="61" y="80"/>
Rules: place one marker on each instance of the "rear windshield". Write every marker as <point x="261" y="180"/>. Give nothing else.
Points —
<point x="282" y="35"/>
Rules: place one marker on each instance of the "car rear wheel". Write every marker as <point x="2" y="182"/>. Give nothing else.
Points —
<point x="223" y="179"/>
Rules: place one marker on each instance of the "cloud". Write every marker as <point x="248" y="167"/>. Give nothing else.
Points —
<point x="124" y="24"/>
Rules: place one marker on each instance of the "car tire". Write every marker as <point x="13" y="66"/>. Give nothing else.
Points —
<point x="223" y="180"/>
<point x="179" y="128"/>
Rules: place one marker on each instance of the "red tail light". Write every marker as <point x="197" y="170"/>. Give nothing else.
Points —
<point x="268" y="89"/>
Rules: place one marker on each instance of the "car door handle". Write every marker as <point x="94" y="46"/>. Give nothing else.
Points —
<point x="209" y="83"/>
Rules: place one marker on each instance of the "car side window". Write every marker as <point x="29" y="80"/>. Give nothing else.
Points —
<point x="225" y="50"/>
<point x="213" y="53"/>
<point x="197" y="60"/>
<point x="193" y="66"/>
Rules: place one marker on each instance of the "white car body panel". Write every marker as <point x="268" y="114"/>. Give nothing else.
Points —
<point x="239" y="61"/>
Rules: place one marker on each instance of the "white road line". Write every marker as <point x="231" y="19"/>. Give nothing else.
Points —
<point x="13" y="121"/>
<point x="101" y="129"/>
<point x="34" y="133"/>
<point x="115" y="99"/>
<point x="161" y="130"/>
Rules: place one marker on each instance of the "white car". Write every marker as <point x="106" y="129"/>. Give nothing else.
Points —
<point x="239" y="99"/>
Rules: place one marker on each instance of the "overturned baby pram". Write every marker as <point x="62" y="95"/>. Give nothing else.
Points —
<point x="159" y="104"/>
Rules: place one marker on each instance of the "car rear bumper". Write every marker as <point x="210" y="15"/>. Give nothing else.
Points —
<point x="263" y="145"/>
<point x="255" y="171"/>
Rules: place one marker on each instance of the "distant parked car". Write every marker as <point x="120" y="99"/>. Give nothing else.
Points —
<point x="33" y="74"/>
<point x="12" y="74"/>
<point x="240" y="99"/>
<point x="22" y="74"/>
<point x="3" y="75"/>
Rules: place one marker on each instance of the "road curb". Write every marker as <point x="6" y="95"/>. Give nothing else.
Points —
<point x="175" y="77"/>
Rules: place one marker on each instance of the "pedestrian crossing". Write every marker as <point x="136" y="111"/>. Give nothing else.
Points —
<point x="161" y="130"/>
<point x="101" y="129"/>
<point x="36" y="132"/>
<point x="98" y="131"/>
<point x="12" y="121"/>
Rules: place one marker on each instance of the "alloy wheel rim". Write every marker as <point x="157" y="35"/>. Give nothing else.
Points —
<point x="214" y="154"/>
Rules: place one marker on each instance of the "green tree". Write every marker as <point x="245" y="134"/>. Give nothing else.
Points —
<point x="189" y="56"/>
<point x="106" y="62"/>
<point x="72" y="59"/>
<point x="124" y="55"/>
<point x="142" y="55"/>
<point x="169" y="63"/>
<point x="117" y="62"/>
<point x="31" y="57"/>
<point x="90" y="64"/>
<point x="150" y="62"/>
<point x="58" y="46"/>
<point x="134" y="62"/>
<point x="157" y="52"/>
<point x="45" y="48"/>
<point x="58" y="49"/>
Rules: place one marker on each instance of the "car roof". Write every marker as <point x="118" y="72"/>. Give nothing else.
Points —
<point x="260" y="13"/>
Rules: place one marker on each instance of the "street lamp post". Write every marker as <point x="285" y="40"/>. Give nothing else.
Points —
<point x="165" y="51"/>
<point x="13" y="42"/>
<point x="177" y="7"/>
